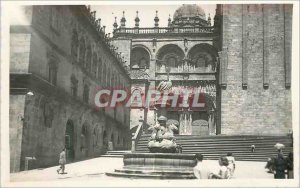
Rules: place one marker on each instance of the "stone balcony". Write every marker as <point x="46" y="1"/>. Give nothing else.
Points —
<point x="164" y="31"/>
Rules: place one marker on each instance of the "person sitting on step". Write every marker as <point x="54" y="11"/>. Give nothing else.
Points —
<point x="224" y="172"/>
<point x="200" y="170"/>
<point x="231" y="163"/>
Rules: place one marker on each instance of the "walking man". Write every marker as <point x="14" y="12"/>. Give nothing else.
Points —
<point x="62" y="161"/>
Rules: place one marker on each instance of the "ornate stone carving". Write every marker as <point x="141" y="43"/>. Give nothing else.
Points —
<point x="139" y="74"/>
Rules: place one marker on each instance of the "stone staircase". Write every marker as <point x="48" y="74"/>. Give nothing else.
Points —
<point x="116" y="153"/>
<point x="212" y="147"/>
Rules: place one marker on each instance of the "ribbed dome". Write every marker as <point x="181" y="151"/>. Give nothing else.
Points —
<point x="189" y="11"/>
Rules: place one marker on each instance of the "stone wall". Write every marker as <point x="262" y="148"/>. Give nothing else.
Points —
<point x="19" y="52"/>
<point x="16" y="119"/>
<point x="124" y="46"/>
<point x="45" y="122"/>
<point x="255" y="100"/>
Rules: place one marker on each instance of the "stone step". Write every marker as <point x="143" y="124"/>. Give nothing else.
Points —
<point x="150" y="176"/>
<point x="116" y="156"/>
<point x="228" y="140"/>
<point x="191" y="137"/>
<point x="155" y="171"/>
<point x="214" y="146"/>
<point x="118" y="152"/>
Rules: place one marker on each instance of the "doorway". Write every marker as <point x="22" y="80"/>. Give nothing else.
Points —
<point x="69" y="141"/>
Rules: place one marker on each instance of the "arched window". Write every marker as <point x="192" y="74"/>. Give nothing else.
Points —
<point x="94" y="65"/>
<point x="95" y="139"/>
<point x="86" y="91"/>
<point x="104" y="74"/>
<point x="74" y="44"/>
<point x="55" y="19"/>
<point x="169" y="56"/>
<point x="118" y="141"/>
<point x="81" y="51"/>
<point x="74" y="86"/>
<point x="203" y="57"/>
<point x="88" y="59"/>
<point x="140" y="58"/>
<point x="108" y="78"/>
<point x="99" y="69"/>
<point x="52" y="74"/>
<point x="84" y="139"/>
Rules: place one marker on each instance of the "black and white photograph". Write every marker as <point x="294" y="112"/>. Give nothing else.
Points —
<point x="149" y="94"/>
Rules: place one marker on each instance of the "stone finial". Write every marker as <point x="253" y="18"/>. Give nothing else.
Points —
<point x="209" y="20"/>
<point x="123" y="20"/>
<point x="93" y="15"/>
<point x="115" y="24"/>
<point x="137" y="19"/>
<point x="98" y="22"/>
<point x="156" y="20"/>
<point x="169" y="21"/>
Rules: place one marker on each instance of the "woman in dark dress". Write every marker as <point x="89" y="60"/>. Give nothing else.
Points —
<point x="280" y="166"/>
<point x="290" y="166"/>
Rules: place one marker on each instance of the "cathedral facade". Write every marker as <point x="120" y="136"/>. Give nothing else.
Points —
<point x="241" y="65"/>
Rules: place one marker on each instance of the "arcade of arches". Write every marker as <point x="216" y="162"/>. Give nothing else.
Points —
<point x="194" y="68"/>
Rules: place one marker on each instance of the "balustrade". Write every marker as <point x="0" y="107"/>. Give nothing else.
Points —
<point x="185" y="68"/>
<point x="164" y="30"/>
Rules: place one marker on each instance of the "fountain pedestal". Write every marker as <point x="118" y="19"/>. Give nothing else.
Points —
<point x="162" y="162"/>
<point x="157" y="165"/>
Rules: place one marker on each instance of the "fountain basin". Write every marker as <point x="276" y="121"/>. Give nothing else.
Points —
<point x="157" y="166"/>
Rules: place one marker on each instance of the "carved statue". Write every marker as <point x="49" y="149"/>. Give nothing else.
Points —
<point x="162" y="137"/>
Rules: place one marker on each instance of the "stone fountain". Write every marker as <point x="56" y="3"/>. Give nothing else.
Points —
<point x="162" y="162"/>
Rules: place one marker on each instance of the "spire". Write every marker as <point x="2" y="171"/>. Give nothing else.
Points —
<point x="137" y="20"/>
<point x="209" y="20"/>
<point x="169" y="21"/>
<point x="123" y="20"/>
<point x="156" y="20"/>
<point x="115" y="24"/>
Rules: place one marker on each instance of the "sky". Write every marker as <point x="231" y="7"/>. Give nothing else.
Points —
<point x="107" y="13"/>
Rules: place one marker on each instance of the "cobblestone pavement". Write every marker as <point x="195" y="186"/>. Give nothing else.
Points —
<point x="94" y="169"/>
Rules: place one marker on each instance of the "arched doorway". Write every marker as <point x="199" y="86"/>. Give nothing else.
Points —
<point x="112" y="144"/>
<point x="69" y="141"/>
<point x="84" y="144"/>
<point x="203" y="58"/>
<point x="105" y="141"/>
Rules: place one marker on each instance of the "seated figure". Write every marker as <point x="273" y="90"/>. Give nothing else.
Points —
<point x="162" y="137"/>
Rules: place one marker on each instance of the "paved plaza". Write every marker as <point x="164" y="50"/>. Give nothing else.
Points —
<point x="94" y="169"/>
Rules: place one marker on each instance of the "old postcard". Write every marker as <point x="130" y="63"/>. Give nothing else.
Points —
<point x="150" y="94"/>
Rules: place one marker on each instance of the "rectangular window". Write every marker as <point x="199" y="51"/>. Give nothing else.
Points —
<point x="55" y="19"/>
<point x="74" y="90"/>
<point x="53" y="75"/>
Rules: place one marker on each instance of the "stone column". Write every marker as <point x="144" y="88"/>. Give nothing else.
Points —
<point x="151" y="117"/>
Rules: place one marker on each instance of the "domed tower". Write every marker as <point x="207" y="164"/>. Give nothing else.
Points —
<point x="189" y="15"/>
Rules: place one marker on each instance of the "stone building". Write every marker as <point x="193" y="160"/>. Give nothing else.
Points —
<point x="241" y="65"/>
<point x="59" y="57"/>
